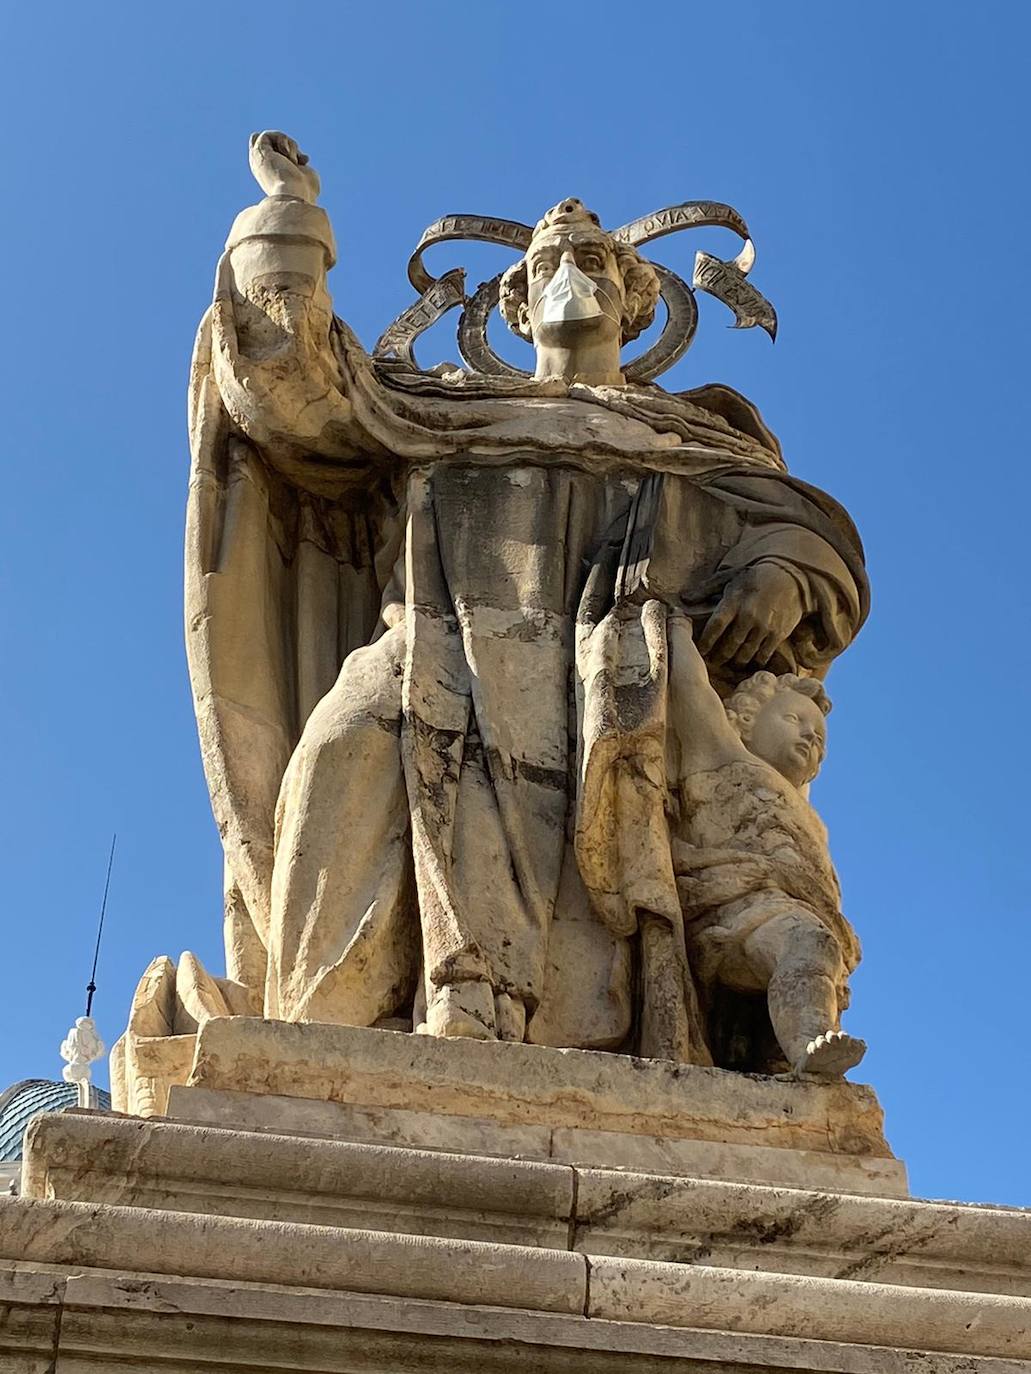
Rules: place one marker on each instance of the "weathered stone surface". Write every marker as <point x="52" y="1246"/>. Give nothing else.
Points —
<point x="102" y="1158"/>
<point x="106" y="1159"/>
<point x="823" y="1309"/>
<point x="179" y="1243"/>
<point x="534" y="1085"/>
<point x="471" y="1276"/>
<point x="616" y="1263"/>
<point x="117" y="1320"/>
<point x="158" y="1046"/>
<point x="791" y="1230"/>
<point x="790" y="1168"/>
<point x="30" y="1318"/>
<point x="375" y="1125"/>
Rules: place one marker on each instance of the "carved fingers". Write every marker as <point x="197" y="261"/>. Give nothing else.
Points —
<point x="750" y="644"/>
<point x="769" y="645"/>
<point x="280" y="168"/>
<point x="757" y="613"/>
<point x="725" y="630"/>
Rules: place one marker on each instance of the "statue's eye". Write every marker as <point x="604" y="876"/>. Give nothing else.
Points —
<point x="541" y="268"/>
<point x="792" y="717"/>
<point x="591" y="263"/>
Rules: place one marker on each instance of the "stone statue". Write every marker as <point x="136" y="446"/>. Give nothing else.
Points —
<point x="429" y="620"/>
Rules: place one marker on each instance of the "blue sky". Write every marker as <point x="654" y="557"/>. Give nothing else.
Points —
<point x="877" y="151"/>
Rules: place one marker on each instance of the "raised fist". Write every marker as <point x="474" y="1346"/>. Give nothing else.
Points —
<point x="280" y="168"/>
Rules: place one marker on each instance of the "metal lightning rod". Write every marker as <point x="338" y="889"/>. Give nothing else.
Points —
<point x="91" y="986"/>
<point x="82" y="1046"/>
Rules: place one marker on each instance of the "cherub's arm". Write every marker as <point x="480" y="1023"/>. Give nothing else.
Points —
<point x="704" y="736"/>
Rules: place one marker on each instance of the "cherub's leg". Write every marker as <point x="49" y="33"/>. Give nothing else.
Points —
<point x="800" y="961"/>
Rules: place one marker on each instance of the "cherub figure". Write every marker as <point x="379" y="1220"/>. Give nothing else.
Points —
<point x="760" y="896"/>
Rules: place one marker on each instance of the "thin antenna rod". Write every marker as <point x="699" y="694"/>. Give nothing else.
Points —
<point x="91" y="986"/>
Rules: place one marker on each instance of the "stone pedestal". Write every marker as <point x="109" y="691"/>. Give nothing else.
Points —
<point x="324" y="1198"/>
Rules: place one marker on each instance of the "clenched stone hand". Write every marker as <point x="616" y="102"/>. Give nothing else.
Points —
<point x="280" y="168"/>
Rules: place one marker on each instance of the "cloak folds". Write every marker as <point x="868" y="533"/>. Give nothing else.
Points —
<point x="280" y="585"/>
<point x="494" y="514"/>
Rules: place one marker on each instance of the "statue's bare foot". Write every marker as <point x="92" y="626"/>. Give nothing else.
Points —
<point x="509" y="1017"/>
<point x="461" y="1009"/>
<point x="831" y="1055"/>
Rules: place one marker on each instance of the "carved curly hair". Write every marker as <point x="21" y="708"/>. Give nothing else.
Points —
<point x="640" y="290"/>
<point x="750" y="696"/>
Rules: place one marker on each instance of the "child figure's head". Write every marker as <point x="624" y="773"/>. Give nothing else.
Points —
<point x="782" y="721"/>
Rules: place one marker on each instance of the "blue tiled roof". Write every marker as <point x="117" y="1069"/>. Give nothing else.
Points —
<point x="22" y="1101"/>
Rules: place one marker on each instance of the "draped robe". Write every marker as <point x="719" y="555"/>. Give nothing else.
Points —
<point x="434" y="739"/>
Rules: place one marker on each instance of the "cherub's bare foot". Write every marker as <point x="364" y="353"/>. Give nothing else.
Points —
<point x="461" y="1009"/>
<point x="831" y="1055"/>
<point x="509" y="1017"/>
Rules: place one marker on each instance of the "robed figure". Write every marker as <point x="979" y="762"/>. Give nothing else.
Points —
<point x="432" y="707"/>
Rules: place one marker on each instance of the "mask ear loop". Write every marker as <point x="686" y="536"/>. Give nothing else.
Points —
<point x="614" y="312"/>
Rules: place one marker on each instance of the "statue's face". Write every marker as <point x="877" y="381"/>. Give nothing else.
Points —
<point x="790" y="734"/>
<point x="561" y="307"/>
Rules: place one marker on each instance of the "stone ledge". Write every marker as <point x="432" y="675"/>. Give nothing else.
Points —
<point x="30" y="1318"/>
<point x="472" y="1275"/>
<point x="97" y="1157"/>
<point x="114" y="1321"/>
<point x="801" y="1305"/>
<point x="298" y="1116"/>
<point x="905" y="1242"/>
<point x="195" y="1245"/>
<point x="304" y="1116"/>
<point x="519" y="1085"/>
<point x="710" y="1159"/>
<point x="93" y="1157"/>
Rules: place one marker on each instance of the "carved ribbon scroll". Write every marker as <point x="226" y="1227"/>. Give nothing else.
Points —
<point x="726" y="280"/>
<point x="438" y="295"/>
<point x="442" y="294"/>
<point x="508" y="232"/>
<point x="723" y="279"/>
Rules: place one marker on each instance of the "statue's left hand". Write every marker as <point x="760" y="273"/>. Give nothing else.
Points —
<point x="756" y="614"/>
<point x="280" y="168"/>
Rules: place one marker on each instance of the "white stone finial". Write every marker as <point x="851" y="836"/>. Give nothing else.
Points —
<point x="81" y="1047"/>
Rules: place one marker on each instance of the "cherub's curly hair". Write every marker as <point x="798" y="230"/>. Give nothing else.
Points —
<point x="640" y="289"/>
<point x="750" y="696"/>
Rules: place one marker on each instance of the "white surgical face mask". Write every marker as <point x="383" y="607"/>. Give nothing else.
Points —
<point x="571" y="295"/>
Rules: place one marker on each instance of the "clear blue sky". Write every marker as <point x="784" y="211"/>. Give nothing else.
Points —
<point x="879" y="153"/>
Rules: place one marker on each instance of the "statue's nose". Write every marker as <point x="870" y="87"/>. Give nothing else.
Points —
<point x="567" y="256"/>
